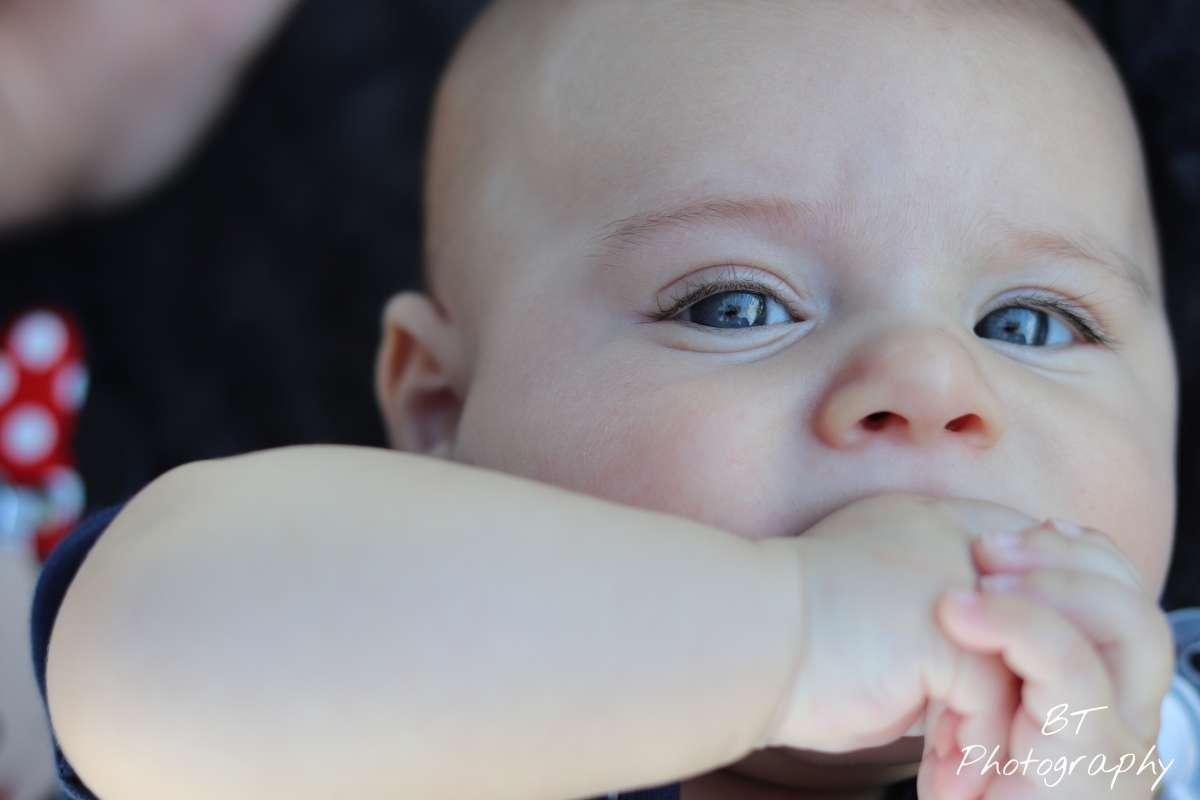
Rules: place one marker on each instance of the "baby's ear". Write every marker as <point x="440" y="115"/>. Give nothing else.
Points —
<point x="415" y="371"/>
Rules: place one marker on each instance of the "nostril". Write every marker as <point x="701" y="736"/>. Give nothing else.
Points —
<point x="965" y="421"/>
<point x="876" y="421"/>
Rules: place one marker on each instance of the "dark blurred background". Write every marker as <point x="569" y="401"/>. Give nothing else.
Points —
<point x="237" y="306"/>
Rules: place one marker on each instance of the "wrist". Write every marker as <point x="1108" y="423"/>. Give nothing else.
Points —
<point x="788" y="560"/>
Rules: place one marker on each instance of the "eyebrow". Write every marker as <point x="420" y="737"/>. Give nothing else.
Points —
<point x="829" y="219"/>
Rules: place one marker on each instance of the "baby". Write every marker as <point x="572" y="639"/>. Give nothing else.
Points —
<point x="738" y="271"/>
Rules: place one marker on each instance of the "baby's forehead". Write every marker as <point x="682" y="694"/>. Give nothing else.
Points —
<point x="536" y="73"/>
<point x="809" y="95"/>
<point x="567" y="31"/>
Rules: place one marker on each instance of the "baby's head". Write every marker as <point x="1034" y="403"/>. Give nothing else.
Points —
<point x="746" y="261"/>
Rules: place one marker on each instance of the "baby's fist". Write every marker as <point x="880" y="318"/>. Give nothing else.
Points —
<point x="1070" y="616"/>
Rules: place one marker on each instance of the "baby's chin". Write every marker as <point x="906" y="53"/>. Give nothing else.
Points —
<point x="812" y="769"/>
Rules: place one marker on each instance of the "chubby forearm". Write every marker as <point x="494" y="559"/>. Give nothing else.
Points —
<point x="340" y="621"/>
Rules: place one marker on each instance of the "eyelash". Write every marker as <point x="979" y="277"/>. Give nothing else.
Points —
<point x="1072" y="309"/>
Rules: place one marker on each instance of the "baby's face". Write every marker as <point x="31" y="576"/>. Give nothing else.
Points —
<point x="886" y="193"/>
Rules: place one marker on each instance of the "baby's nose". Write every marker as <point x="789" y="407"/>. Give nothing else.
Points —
<point x="919" y="385"/>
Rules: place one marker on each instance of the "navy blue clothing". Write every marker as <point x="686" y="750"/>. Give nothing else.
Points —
<point x="56" y="575"/>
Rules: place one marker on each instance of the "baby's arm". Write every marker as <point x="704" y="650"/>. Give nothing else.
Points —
<point x="332" y="621"/>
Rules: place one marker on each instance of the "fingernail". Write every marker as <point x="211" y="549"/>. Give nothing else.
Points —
<point x="999" y="583"/>
<point x="1066" y="527"/>
<point x="1002" y="540"/>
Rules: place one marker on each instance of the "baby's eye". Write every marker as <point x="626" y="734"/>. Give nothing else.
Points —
<point x="736" y="299"/>
<point x="744" y="302"/>
<point x="1031" y="325"/>
<point x="736" y="309"/>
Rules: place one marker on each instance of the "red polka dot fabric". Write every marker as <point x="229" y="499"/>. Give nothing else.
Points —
<point x="43" y="385"/>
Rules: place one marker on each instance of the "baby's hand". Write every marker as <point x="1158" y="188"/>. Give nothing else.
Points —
<point x="875" y="665"/>
<point x="1072" y="620"/>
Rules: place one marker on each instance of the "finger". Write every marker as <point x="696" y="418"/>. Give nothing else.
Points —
<point x="1045" y="546"/>
<point x="935" y="776"/>
<point x="1129" y="633"/>
<point x="939" y="776"/>
<point x="982" y="698"/>
<point x="1055" y="660"/>
<point x="976" y="516"/>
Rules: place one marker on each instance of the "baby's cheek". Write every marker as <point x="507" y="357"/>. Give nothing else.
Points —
<point x="699" y="459"/>
<point x="693" y="448"/>
<point x="1098" y="471"/>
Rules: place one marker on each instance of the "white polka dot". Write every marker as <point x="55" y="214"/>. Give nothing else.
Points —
<point x="39" y="339"/>
<point x="70" y="387"/>
<point x="64" y="490"/>
<point x="8" y="379"/>
<point x="29" y="433"/>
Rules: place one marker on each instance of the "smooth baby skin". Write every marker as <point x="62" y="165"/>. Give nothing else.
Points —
<point x="328" y="621"/>
<point x="340" y="621"/>
<point x="888" y="177"/>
